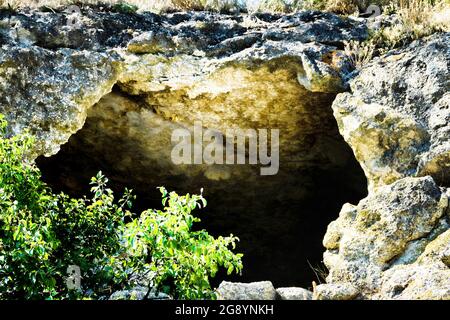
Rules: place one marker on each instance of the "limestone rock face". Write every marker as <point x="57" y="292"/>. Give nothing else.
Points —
<point x="335" y="291"/>
<point x="428" y="278"/>
<point x="294" y="293"/>
<point x="396" y="117"/>
<point x="389" y="236"/>
<point x="139" y="293"/>
<point x="49" y="92"/>
<point x="394" y="243"/>
<point x="194" y="57"/>
<point x="129" y="80"/>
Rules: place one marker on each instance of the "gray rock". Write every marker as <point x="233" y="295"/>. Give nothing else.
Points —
<point x="262" y="290"/>
<point x="139" y="293"/>
<point x="394" y="244"/>
<point x="293" y="293"/>
<point x="395" y="233"/>
<point x="49" y="92"/>
<point x="335" y="291"/>
<point x="151" y="42"/>
<point x="52" y="73"/>
<point x="397" y="116"/>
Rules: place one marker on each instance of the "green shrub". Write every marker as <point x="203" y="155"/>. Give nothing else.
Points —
<point x="42" y="234"/>
<point x="125" y="7"/>
<point x="182" y="261"/>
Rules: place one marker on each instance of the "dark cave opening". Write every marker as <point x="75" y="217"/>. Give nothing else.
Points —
<point x="280" y="220"/>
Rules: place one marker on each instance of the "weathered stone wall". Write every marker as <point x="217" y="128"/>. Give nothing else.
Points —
<point x="394" y="244"/>
<point x="128" y="80"/>
<point x="227" y="72"/>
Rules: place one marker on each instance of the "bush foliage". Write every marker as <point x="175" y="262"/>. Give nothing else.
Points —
<point x="42" y="234"/>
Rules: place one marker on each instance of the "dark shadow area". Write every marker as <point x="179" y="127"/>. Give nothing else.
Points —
<point x="280" y="220"/>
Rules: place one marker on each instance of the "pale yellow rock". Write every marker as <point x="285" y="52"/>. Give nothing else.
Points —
<point x="398" y="233"/>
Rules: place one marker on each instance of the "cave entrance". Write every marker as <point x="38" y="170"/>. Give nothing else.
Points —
<point x="280" y="219"/>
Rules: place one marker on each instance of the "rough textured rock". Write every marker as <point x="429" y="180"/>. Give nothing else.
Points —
<point x="394" y="243"/>
<point x="164" y="72"/>
<point x="262" y="290"/>
<point x="392" y="237"/>
<point x="72" y="81"/>
<point x="139" y="293"/>
<point x="293" y="293"/>
<point x="335" y="291"/>
<point x="130" y="80"/>
<point x="428" y="278"/>
<point x="200" y="58"/>
<point x="397" y="118"/>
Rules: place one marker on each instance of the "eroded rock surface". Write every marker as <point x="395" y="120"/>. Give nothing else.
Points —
<point x="139" y="293"/>
<point x="49" y="92"/>
<point x="394" y="243"/>
<point x="396" y="117"/>
<point x="159" y="73"/>
<point x="130" y="80"/>
<point x="387" y="236"/>
<point x="335" y="291"/>
<point x="262" y="290"/>
<point x="194" y="57"/>
<point x="294" y="293"/>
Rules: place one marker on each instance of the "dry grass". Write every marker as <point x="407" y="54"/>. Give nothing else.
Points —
<point x="342" y="6"/>
<point x="359" y="53"/>
<point x="422" y="12"/>
<point x="146" y="5"/>
<point x="143" y="5"/>
<point x="415" y="11"/>
<point x="411" y="11"/>
<point x="419" y="18"/>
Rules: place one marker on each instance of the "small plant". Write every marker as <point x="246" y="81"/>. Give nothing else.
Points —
<point x="181" y="260"/>
<point x="417" y="19"/>
<point x="359" y="53"/>
<point x="42" y="234"/>
<point x="320" y="271"/>
<point x="124" y="7"/>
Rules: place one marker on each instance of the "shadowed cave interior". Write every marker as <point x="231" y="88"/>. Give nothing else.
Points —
<point x="280" y="219"/>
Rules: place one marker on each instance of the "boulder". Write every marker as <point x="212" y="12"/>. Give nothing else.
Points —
<point x="335" y="291"/>
<point x="293" y="293"/>
<point x="397" y="232"/>
<point x="394" y="244"/>
<point x="262" y="290"/>
<point x="396" y="116"/>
